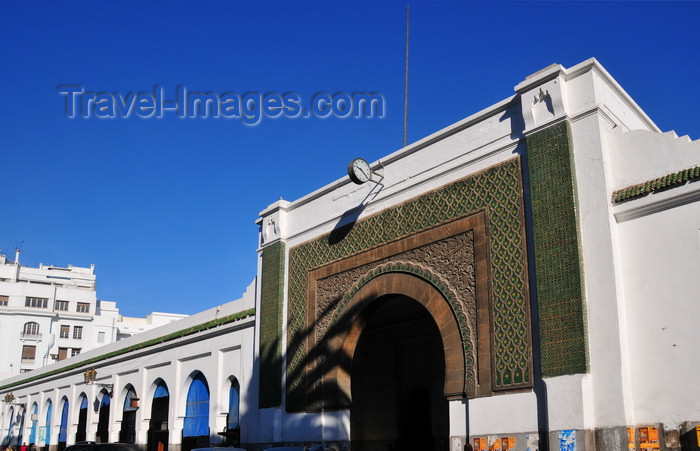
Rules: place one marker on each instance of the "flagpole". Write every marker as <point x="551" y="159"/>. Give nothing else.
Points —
<point x="405" y="92"/>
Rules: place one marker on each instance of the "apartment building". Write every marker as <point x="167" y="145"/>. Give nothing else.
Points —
<point x="52" y="313"/>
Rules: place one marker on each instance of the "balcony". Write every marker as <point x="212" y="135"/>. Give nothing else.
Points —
<point x="30" y="336"/>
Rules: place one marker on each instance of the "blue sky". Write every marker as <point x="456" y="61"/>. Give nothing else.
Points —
<point x="166" y="208"/>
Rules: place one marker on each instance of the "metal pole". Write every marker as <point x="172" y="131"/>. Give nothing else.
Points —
<point x="405" y="93"/>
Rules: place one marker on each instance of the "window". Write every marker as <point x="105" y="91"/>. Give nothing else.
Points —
<point x="61" y="306"/>
<point x="100" y="337"/>
<point x="62" y="353"/>
<point x="78" y="332"/>
<point x="74" y="352"/>
<point x="83" y="307"/>
<point x="65" y="332"/>
<point x="36" y="302"/>
<point x="28" y="353"/>
<point x="30" y="329"/>
<point x="4" y="300"/>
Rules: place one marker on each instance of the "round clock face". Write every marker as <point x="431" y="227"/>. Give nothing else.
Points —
<point x="359" y="171"/>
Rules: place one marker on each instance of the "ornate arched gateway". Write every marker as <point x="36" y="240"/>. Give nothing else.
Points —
<point x="437" y="268"/>
<point x="452" y="260"/>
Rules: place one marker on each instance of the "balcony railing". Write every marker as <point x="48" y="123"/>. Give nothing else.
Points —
<point x="30" y="336"/>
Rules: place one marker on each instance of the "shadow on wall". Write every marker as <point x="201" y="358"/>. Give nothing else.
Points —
<point x="317" y="379"/>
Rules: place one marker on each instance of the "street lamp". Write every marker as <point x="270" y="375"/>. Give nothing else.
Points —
<point x="9" y="398"/>
<point x="90" y="375"/>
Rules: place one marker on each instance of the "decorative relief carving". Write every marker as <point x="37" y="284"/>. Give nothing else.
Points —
<point x="542" y="106"/>
<point x="497" y="189"/>
<point x="269" y="230"/>
<point x="450" y="260"/>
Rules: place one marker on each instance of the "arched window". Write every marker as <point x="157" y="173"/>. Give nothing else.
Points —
<point x="63" y="430"/>
<point x="127" y="434"/>
<point x="196" y="428"/>
<point x="10" y="416"/>
<point x="30" y="328"/>
<point x="158" y="434"/>
<point x="234" y="397"/>
<point x="102" y="435"/>
<point x="233" y="425"/>
<point x="49" y="409"/>
<point x="81" y="433"/>
<point x="21" y="412"/>
<point x="34" y="417"/>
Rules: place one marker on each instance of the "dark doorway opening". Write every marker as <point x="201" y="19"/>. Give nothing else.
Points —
<point x="81" y="433"/>
<point x="397" y="380"/>
<point x="158" y="433"/>
<point x="102" y="435"/>
<point x="127" y="434"/>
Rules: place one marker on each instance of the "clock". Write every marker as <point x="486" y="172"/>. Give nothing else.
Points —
<point x="359" y="171"/>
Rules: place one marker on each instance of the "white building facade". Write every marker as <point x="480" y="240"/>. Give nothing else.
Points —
<point x="524" y="279"/>
<point x="51" y="313"/>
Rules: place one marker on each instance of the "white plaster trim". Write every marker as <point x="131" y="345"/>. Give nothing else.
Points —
<point x="408" y="150"/>
<point x="594" y="65"/>
<point x="657" y="202"/>
<point x="194" y="357"/>
<point x="322" y="227"/>
<point x="582" y="68"/>
<point x="157" y="365"/>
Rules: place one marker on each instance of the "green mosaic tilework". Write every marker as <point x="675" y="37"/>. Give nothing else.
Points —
<point x="499" y="190"/>
<point x="557" y="255"/>
<point x="271" y="298"/>
<point x="668" y="181"/>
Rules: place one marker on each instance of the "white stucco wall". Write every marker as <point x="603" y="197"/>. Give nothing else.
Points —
<point x="219" y="353"/>
<point x="598" y="110"/>
<point x="659" y="266"/>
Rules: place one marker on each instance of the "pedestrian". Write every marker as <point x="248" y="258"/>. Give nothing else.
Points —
<point x="23" y="447"/>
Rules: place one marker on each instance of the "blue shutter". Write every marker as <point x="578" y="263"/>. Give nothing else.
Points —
<point x="197" y="409"/>
<point x="62" y="432"/>
<point x="161" y="391"/>
<point x="233" y="403"/>
<point x="48" y="422"/>
<point x="9" y="423"/>
<point x="32" y="435"/>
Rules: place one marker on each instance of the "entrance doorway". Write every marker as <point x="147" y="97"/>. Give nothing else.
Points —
<point x="397" y="380"/>
<point x="158" y="434"/>
<point x="81" y="433"/>
<point x="102" y="435"/>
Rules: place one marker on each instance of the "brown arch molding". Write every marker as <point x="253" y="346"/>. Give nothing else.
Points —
<point x="328" y="366"/>
<point x="430" y="298"/>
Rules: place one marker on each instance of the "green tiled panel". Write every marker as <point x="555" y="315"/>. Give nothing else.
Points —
<point x="271" y="297"/>
<point x="557" y="254"/>
<point x="499" y="190"/>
